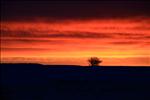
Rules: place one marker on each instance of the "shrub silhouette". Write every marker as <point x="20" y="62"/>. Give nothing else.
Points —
<point x="94" y="61"/>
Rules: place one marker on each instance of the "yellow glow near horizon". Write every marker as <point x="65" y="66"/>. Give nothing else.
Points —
<point x="108" y="39"/>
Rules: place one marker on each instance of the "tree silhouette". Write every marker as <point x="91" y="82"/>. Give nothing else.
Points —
<point x="94" y="61"/>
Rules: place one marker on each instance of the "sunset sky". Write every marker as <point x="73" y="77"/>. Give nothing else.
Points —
<point x="69" y="32"/>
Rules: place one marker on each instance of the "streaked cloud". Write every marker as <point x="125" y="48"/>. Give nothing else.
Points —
<point x="76" y="38"/>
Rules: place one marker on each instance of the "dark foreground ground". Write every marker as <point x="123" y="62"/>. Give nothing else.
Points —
<point x="38" y="82"/>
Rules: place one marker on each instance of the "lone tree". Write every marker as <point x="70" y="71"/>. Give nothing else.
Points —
<point x="94" y="61"/>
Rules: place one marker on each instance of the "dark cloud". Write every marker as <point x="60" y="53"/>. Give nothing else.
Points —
<point x="57" y="34"/>
<point x="80" y="35"/>
<point x="69" y="34"/>
<point x="33" y="40"/>
<point x="29" y="10"/>
<point x="126" y="42"/>
<point x="135" y="36"/>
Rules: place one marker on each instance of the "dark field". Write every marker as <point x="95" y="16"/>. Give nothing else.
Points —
<point x="39" y="82"/>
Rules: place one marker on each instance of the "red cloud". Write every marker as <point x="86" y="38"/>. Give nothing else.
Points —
<point x="101" y="37"/>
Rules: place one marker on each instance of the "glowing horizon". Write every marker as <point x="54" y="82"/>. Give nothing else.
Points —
<point x="75" y="39"/>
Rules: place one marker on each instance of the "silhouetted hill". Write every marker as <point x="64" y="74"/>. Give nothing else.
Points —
<point x="73" y="72"/>
<point x="69" y="82"/>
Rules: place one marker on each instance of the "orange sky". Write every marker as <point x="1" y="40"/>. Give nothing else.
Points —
<point x="120" y="41"/>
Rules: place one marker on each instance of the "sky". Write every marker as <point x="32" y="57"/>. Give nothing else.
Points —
<point x="70" y="32"/>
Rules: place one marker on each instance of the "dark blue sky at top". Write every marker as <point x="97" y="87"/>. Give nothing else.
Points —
<point x="27" y="9"/>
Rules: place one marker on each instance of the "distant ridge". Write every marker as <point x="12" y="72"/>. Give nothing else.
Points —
<point x="63" y="65"/>
<point x="41" y="74"/>
<point x="36" y="64"/>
